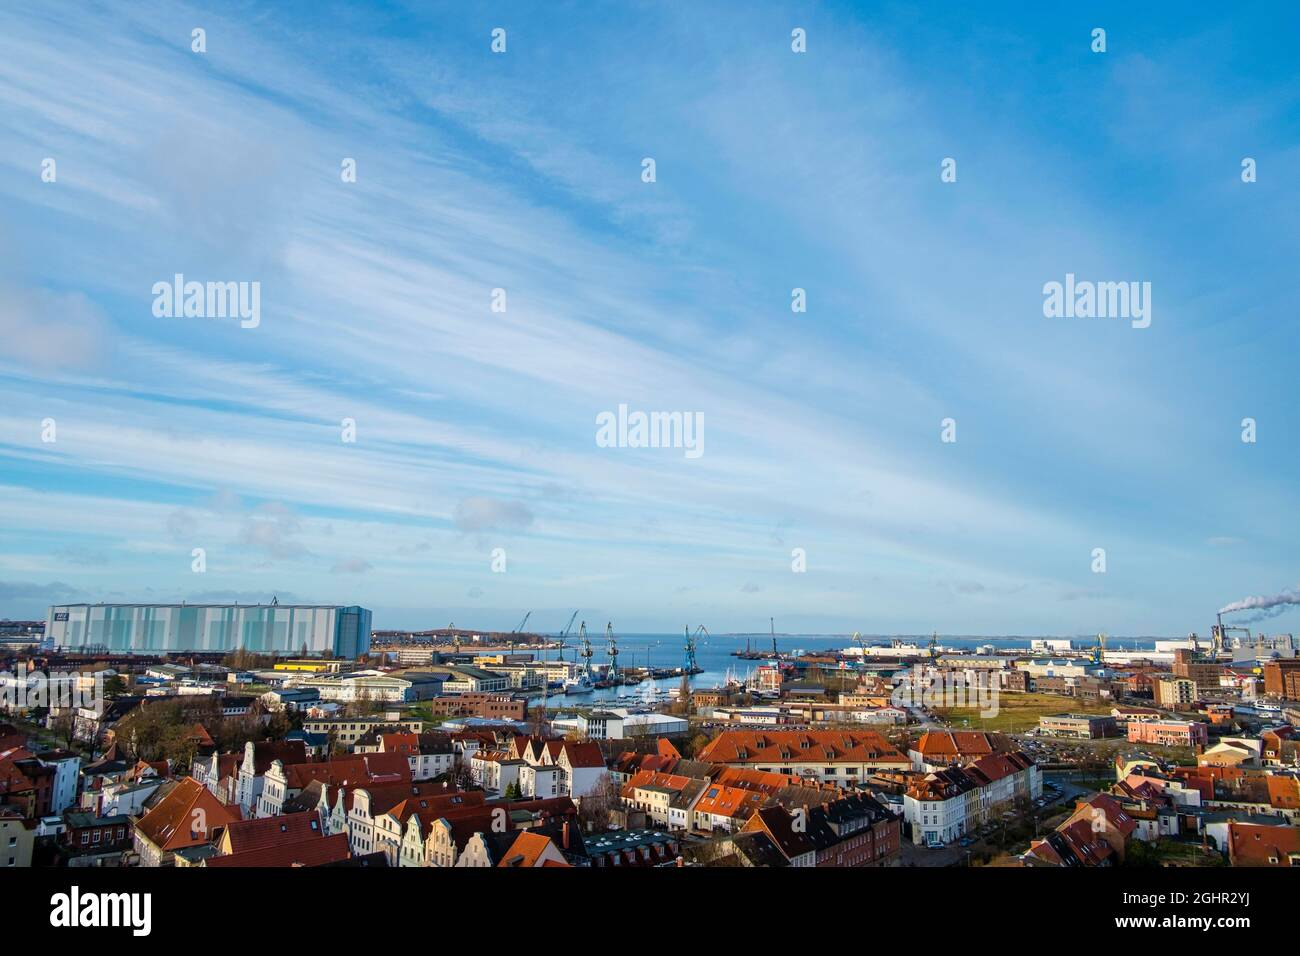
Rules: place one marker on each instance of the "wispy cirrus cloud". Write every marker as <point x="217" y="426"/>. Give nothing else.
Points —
<point x="671" y="296"/>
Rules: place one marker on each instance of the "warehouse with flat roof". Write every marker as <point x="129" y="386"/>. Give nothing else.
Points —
<point x="287" y="629"/>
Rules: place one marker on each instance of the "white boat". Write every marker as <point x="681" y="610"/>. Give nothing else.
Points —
<point x="577" y="685"/>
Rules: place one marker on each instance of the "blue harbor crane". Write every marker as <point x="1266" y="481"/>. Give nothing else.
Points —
<point x="588" y="673"/>
<point x="612" y="675"/>
<point x="692" y="665"/>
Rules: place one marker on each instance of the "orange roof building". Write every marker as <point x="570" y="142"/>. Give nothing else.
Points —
<point x="532" y="849"/>
<point x="1250" y="844"/>
<point x="942" y="748"/>
<point x="313" y="852"/>
<point x="833" y="756"/>
<point x="187" y="816"/>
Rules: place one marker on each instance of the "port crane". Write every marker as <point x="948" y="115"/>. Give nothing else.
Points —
<point x="934" y="647"/>
<point x="520" y="627"/>
<point x="1099" y="651"/>
<point x="691" y="666"/>
<point x="612" y="649"/>
<point x="586" y="654"/>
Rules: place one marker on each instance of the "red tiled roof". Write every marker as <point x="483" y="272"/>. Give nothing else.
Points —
<point x="761" y="781"/>
<point x="648" y="778"/>
<point x="400" y="801"/>
<point x="267" y="751"/>
<point x="945" y="746"/>
<point x="1086" y="843"/>
<point x="330" y="849"/>
<point x="526" y="850"/>
<point x="1250" y="844"/>
<point x="778" y="824"/>
<point x="995" y="766"/>
<point x="185" y="817"/>
<point x="399" y="743"/>
<point x="1283" y="792"/>
<point x="799" y="746"/>
<point x="259" y="833"/>
<point x="355" y="771"/>
<point x="586" y="754"/>
<point x="723" y="801"/>
<point x="1115" y="815"/>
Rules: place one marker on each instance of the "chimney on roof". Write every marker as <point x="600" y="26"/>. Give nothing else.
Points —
<point x="565" y="835"/>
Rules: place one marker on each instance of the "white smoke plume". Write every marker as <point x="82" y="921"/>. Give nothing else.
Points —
<point x="1264" y="606"/>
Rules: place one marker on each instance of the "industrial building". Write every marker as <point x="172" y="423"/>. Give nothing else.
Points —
<point x="618" y="723"/>
<point x="1081" y="726"/>
<point x="177" y="628"/>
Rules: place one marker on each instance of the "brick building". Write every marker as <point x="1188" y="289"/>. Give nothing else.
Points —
<point x="494" y="706"/>
<point x="1282" y="678"/>
<point x="1205" y="674"/>
<point x="1170" y="733"/>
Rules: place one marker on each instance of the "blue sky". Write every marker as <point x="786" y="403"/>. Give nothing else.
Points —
<point x="775" y="170"/>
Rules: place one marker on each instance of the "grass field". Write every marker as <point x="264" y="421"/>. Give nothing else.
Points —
<point x="1019" y="712"/>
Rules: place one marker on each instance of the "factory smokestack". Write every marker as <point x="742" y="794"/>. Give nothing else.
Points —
<point x="1264" y="606"/>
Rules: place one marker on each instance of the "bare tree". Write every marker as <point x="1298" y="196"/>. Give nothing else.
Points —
<point x="596" y="810"/>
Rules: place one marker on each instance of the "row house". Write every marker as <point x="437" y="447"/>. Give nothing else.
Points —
<point x="668" y="800"/>
<point x="938" y="749"/>
<point x="258" y="758"/>
<point x="852" y="831"/>
<point x="552" y="844"/>
<point x="945" y="805"/>
<point x="346" y="731"/>
<point x="187" y="816"/>
<point x="247" y="836"/>
<point x="391" y="825"/>
<point x="286" y="781"/>
<point x="67" y="775"/>
<point x="936" y="806"/>
<point x="363" y="812"/>
<point x="578" y="766"/>
<point x="724" y="808"/>
<point x="495" y="771"/>
<point x="430" y="753"/>
<point x="450" y="833"/>
<point x="317" y="851"/>
<point x="542" y="780"/>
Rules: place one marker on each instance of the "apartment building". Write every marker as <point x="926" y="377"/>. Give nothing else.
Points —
<point x="1173" y="692"/>
<point x="1170" y="733"/>
<point x="944" y="805"/>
